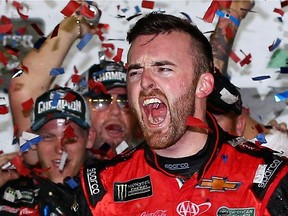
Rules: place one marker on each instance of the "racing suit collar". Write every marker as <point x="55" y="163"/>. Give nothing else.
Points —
<point x="186" y="167"/>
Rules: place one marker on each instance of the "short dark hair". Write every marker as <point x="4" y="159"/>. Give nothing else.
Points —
<point x="156" y="23"/>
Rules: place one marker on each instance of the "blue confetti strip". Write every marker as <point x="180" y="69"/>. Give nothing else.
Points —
<point x="281" y="96"/>
<point x="261" y="138"/>
<point x="55" y="100"/>
<point x="56" y="71"/>
<point x="228" y="16"/>
<point x="27" y="145"/>
<point x="86" y="38"/>
<point x="72" y="183"/>
<point x="261" y="78"/>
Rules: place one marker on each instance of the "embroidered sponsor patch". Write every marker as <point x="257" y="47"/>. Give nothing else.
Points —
<point x="95" y="188"/>
<point x="225" y="211"/>
<point x="190" y="208"/>
<point x="4" y="208"/>
<point x="134" y="189"/>
<point x="218" y="184"/>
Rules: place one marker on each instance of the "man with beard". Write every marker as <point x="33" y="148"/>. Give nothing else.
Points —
<point x="187" y="165"/>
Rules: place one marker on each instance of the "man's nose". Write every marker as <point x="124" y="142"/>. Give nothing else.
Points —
<point x="147" y="81"/>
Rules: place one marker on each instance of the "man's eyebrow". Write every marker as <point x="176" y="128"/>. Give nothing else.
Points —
<point x="134" y="66"/>
<point x="157" y="63"/>
<point x="162" y="63"/>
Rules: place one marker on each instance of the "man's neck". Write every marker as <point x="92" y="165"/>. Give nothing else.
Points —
<point x="189" y="144"/>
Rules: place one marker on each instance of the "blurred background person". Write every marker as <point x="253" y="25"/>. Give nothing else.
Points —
<point x="37" y="65"/>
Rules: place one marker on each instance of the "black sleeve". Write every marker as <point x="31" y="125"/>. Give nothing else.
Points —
<point x="278" y="203"/>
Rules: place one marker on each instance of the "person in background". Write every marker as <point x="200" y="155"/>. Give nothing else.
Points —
<point x="40" y="62"/>
<point x="112" y="119"/>
<point x="61" y="125"/>
<point x="225" y="102"/>
<point x="187" y="165"/>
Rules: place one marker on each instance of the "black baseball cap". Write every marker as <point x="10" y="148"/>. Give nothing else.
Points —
<point x="60" y="102"/>
<point x="109" y="73"/>
<point x="225" y="97"/>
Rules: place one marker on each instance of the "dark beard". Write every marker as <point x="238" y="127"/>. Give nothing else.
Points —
<point x="179" y="111"/>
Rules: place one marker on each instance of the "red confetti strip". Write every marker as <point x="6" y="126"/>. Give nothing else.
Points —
<point x="214" y="6"/>
<point x="284" y="3"/>
<point x="97" y="86"/>
<point x="69" y="97"/>
<point x="147" y="4"/>
<point x="21" y="31"/>
<point x="6" y="28"/>
<point x="37" y="29"/>
<point x="55" y="31"/>
<point x="118" y="56"/>
<point x="19" y="7"/>
<point x="279" y="11"/>
<point x="246" y="60"/>
<point x="3" y="59"/>
<point x="70" y="8"/>
<point x="5" y="20"/>
<point x="20" y="167"/>
<point x="12" y="51"/>
<point x="86" y="12"/>
<point x="108" y="49"/>
<point x="75" y="78"/>
<point x="100" y="34"/>
<point x="25" y="68"/>
<point x="69" y="132"/>
<point x="229" y="33"/>
<point x="234" y="57"/>
<point x="195" y="122"/>
<point x="27" y="105"/>
<point x="3" y="109"/>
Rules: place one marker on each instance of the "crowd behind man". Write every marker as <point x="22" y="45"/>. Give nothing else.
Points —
<point x="169" y="81"/>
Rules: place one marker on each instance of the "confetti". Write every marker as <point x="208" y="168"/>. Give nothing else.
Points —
<point x="259" y="78"/>
<point x="63" y="160"/>
<point x="147" y="4"/>
<point x="195" y="122"/>
<point x="70" y="8"/>
<point x="86" y="38"/>
<point x="118" y="56"/>
<point x="281" y="96"/>
<point x="274" y="45"/>
<point x="279" y="11"/>
<point x="27" y="105"/>
<point x="17" y="73"/>
<point x="57" y="71"/>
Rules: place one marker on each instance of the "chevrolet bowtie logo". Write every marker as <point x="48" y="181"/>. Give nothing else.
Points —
<point x="218" y="184"/>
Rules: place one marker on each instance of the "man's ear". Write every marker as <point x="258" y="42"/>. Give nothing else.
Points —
<point x="91" y="138"/>
<point x="205" y="85"/>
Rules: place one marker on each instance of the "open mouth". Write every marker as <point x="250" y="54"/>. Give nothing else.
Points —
<point x="155" y="110"/>
<point x="115" y="129"/>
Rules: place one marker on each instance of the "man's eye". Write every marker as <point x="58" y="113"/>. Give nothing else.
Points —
<point x="163" y="69"/>
<point x="48" y="137"/>
<point x="134" y="73"/>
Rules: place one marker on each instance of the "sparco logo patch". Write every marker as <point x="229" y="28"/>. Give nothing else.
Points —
<point x="95" y="188"/>
<point x="134" y="189"/>
<point x="177" y="166"/>
<point x="269" y="172"/>
<point x="93" y="181"/>
<point x="189" y="208"/>
<point x="225" y="211"/>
